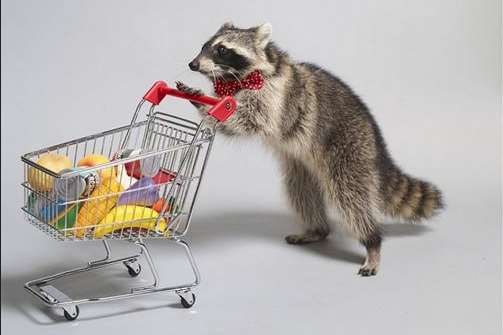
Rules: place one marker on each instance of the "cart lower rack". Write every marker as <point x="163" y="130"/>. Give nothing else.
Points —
<point x="132" y="183"/>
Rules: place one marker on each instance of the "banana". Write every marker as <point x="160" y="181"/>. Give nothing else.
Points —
<point x="94" y="210"/>
<point x="128" y="216"/>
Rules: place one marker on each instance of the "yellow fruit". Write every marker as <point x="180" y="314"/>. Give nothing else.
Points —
<point x="127" y="216"/>
<point x="95" y="159"/>
<point x="41" y="181"/>
<point x="94" y="210"/>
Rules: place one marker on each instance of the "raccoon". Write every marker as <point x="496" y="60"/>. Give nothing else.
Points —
<point x="330" y="148"/>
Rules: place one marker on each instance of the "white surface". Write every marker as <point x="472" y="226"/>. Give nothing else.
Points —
<point x="429" y="70"/>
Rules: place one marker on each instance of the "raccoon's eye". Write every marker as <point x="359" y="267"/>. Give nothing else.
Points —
<point x="222" y="51"/>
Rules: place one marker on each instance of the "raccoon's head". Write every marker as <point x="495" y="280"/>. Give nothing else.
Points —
<point x="233" y="52"/>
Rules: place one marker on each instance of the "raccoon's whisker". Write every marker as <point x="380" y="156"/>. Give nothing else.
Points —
<point x="239" y="81"/>
<point x="219" y="75"/>
<point x="213" y="75"/>
<point x="231" y="72"/>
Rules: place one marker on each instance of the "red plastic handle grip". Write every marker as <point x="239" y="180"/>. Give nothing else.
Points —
<point x="221" y="110"/>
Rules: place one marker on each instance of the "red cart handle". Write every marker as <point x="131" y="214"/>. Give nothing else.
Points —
<point x="221" y="110"/>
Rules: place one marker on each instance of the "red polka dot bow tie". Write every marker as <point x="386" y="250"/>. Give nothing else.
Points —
<point x="253" y="81"/>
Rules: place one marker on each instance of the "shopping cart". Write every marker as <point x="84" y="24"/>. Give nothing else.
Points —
<point x="145" y="188"/>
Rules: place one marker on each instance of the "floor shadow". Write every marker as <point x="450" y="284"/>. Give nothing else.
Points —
<point x="405" y="229"/>
<point x="337" y="250"/>
<point x="217" y="229"/>
<point x="15" y="296"/>
<point x="231" y="226"/>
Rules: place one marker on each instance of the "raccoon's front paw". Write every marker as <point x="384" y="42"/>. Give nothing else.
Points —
<point x="186" y="89"/>
<point x="305" y="238"/>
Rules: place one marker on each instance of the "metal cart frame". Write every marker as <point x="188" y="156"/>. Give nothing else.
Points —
<point x="193" y="142"/>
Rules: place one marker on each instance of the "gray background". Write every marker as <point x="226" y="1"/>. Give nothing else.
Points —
<point x="429" y="70"/>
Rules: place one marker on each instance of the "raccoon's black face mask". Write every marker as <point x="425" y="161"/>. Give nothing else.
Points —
<point x="232" y="52"/>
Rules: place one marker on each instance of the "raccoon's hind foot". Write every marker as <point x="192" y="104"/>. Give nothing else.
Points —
<point x="368" y="269"/>
<point x="307" y="237"/>
<point x="371" y="265"/>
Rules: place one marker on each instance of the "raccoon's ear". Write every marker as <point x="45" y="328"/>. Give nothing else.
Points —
<point x="226" y="26"/>
<point x="263" y="33"/>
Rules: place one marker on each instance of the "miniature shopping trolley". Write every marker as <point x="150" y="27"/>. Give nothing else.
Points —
<point x="133" y="183"/>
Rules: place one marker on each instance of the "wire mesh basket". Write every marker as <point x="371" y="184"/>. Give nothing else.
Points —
<point x="66" y="206"/>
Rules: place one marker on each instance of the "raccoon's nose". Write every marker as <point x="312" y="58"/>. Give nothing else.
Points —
<point x="194" y="65"/>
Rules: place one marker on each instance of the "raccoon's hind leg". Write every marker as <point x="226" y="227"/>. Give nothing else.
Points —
<point x="362" y="223"/>
<point x="354" y="194"/>
<point x="307" y="198"/>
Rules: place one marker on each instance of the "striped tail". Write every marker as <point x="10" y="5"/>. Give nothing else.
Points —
<point x="410" y="199"/>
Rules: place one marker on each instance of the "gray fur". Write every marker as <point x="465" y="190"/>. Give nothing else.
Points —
<point x="330" y="147"/>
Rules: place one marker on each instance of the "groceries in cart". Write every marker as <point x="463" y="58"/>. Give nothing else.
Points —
<point x="65" y="217"/>
<point x="121" y="216"/>
<point x="142" y="193"/>
<point x="95" y="202"/>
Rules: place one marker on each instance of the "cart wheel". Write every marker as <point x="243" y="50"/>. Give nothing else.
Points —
<point x="71" y="317"/>
<point x="133" y="271"/>
<point x="186" y="303"/>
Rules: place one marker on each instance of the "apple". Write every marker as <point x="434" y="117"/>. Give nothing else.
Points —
<point x="41" y="181"/>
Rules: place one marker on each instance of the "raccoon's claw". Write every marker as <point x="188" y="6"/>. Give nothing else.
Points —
<point x="305" y="238"/>
<point x="186" y="89"/>
<point x="366" y="271"/>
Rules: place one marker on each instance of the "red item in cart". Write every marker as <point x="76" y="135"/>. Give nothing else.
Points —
<point x="161" y="177"/>
<point x="133" y="169"/>
<point x="164" y="176"/>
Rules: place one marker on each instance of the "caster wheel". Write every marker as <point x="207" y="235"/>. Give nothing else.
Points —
<point x="133" y="271"/>
<point x="186" y="303"/>
<point x="71" y="317"/>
